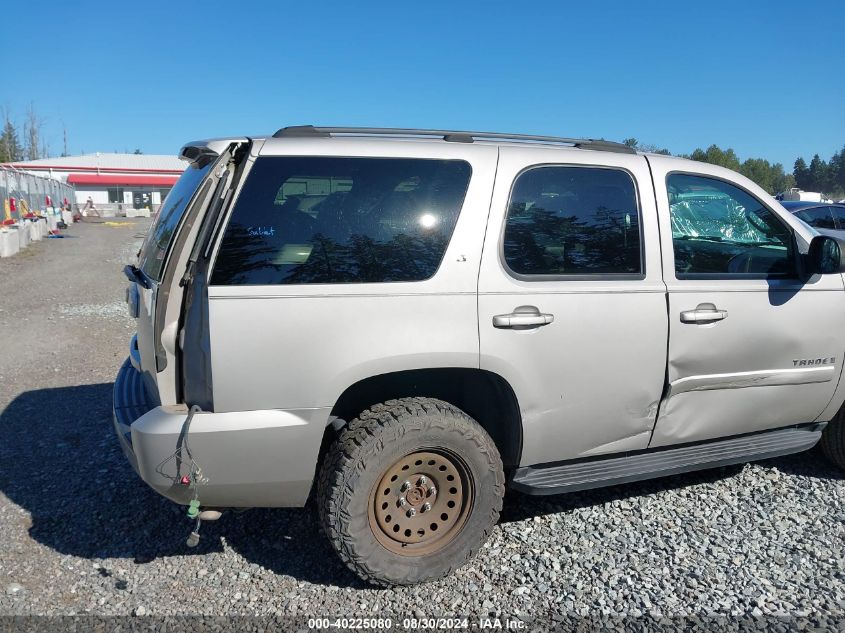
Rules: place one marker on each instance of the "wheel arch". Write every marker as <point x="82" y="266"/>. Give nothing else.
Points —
<point x="481" y="394"/>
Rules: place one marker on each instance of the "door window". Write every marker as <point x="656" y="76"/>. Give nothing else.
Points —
<point x="818" y="217"/>
<point x="573" y="221"/>
<point x="839" y="214"/>
<point x="719" y="229"/>
<point x="310" y="220"/>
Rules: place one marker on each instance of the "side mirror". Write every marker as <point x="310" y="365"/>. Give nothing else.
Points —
<point x="825" y="255"/>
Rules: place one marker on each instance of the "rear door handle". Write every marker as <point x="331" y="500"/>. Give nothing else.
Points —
<point x="523" y="317"/>
<point x="703" y="313"/>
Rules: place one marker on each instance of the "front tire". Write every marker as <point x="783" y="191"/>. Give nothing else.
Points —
<point x="409" y="491"/>
<point x="833" y="439"/>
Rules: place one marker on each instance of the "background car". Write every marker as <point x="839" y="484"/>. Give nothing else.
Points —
<point x="819" y="215"/>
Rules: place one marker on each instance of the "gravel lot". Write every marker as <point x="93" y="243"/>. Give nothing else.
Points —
<point x="80" y="534"/>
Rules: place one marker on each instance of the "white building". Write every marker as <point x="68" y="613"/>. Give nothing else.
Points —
<point x="118" y="181"/>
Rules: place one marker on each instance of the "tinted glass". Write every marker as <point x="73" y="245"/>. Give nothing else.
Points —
<point x="161" y="232"/>
<point x="719" y="229"/>
<point x="573" y="221"/>
<point x="819" y="217"/>
<point x="310" y="220"/>
<point x="839" y="214"/>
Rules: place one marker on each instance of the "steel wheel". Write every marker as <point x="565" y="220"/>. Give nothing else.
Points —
<point x="421" y="502"/>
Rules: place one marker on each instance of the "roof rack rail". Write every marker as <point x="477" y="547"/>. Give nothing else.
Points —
<point x="450" y="136"/>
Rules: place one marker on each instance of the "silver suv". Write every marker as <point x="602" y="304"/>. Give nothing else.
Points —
<point x="402" y="323"/>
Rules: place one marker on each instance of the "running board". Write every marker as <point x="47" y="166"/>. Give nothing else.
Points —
<point x="608" y="471"/>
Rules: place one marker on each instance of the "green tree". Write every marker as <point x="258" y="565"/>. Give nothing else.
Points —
<point x="770" y="177"/>
<point x="715" y="155"/>
<point x="10" y="147"/>
<point x="837" y="172"/>
<point x="760" y="171"/>
<point x="819" y="174"/>
<point x="801" y="173"/>
<point x="782" y="180"/>
<point x="646" y="147"/>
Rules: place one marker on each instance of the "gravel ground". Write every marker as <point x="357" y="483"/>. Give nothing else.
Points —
<point x="80" y="534"/>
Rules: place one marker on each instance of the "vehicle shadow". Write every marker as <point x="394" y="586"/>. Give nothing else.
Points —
<point x="61" y="463"/>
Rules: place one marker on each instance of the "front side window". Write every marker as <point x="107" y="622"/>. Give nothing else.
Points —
<point x="573" y="221"/>
<point x="719" y="229"/>
<point x="313" y="220"/>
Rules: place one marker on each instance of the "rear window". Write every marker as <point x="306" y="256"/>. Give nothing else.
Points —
<point x="157" y="243"/>
<point x="312" y="220"/>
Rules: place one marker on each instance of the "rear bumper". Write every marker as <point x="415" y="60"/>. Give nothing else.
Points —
<point x="261" y="458"/>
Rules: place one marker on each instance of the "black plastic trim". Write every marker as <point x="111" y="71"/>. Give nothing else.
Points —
<point x="129" y="397"/>
<point x="652" y="463"/>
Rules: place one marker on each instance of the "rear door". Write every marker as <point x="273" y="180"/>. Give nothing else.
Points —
<point x="751" y="345"/>
<point x="162" y="261"/>
<point x="154" y="252"/>
<point x="571" y="302"/>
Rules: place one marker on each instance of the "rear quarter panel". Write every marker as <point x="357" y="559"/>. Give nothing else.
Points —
<point x="301" y="346"/>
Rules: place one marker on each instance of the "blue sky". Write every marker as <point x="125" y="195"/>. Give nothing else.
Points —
<point x="766" y="78"/>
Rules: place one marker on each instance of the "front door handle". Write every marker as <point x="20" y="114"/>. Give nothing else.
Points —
<point x="703" y="313"/>
<point x="523" y="317"/>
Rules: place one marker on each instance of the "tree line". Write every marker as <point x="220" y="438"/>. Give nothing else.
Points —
<point x="25" y="142"/>
<point x="827" y="177"/>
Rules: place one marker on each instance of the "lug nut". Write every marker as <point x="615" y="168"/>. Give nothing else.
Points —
<point x="403" y="501"/>
<point x="405" y="485"/>
<point x="426" y="507"/>
<point x="411" y="513"/>
<point x="422" y="480"/>
<point x="432" y="491"/>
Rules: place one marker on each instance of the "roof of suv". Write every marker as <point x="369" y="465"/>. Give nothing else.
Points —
<point x="450" y="136"/>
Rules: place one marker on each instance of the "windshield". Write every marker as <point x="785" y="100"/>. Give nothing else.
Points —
<point x="158" y="239"/>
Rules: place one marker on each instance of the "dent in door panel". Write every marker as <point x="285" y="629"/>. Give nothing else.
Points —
<point x="738" y="380"/>
<point x="683" y="418"/>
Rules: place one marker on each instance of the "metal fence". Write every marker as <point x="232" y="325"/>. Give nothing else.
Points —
<point x="22" y="193"/>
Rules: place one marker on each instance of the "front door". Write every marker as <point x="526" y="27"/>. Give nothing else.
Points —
<point x="751" y="346"/>
<point x="571" y="303"/>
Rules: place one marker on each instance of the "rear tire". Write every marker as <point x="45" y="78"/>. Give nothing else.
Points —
<point x="409" y="491"/>
<point x="833" y="439"/>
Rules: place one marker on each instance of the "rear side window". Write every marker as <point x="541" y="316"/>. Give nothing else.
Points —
<point x="159" y="237"/>
<point x="573" y="221"/>
<point x="318" y="220"/>
<point x="819" y="217"/>
<point x="839" y="214"/>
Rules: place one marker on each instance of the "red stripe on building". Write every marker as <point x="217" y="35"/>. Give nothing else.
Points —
<point x="99" y="179"/>
<point x="25" y="167"/>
